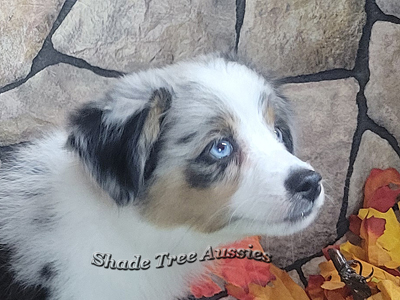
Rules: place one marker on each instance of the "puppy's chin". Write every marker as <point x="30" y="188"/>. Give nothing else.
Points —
<point x="248" y="227"/>
<point x="292" y="226"/>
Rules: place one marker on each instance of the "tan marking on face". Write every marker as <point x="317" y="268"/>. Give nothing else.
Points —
<point x="151" y="127"/>
<point x="269" y="113"/>
<point x="172" y="202"/>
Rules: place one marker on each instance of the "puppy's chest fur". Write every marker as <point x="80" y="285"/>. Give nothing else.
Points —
<point x="66" y="219"/>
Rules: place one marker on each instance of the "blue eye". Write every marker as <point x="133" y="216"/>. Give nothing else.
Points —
<point x="278" y="134"/>
<point x="221" y="149"/>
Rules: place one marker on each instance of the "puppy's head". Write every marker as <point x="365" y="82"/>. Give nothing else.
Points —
<point x="206" y="144"/>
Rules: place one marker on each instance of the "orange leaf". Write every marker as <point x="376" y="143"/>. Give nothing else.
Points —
<point x="379" y="178"/>
<point x="283" y="287"/>
<point x="333" y="285"/>
<point x="238" y="273"/>
<point x="237" y="292"/>
<point x="294" y="289"/>
<point x="329" y="272"/>
<point x="241" y="272"/>
<point x="372" y="228"/>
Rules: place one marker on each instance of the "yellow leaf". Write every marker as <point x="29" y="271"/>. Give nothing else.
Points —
<point x="384" y="250"/>
<point x="332" y="285"/>
<point x="295" y="290"/>
<point x="281" y="288"/>
<point x="389" y="290"/>
<point x="328" y="271"/>
<point x="378" y="296"/>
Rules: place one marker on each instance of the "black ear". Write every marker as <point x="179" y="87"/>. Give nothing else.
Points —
<point x="115" y="152"/>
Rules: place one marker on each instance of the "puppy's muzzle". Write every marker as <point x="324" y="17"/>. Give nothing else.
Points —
<point x="304" y="184"/>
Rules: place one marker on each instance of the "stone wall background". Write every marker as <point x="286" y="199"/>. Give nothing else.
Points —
<point x="338" y="61"/>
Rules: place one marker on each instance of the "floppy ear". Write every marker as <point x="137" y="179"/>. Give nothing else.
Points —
<point x="116" y="151"/>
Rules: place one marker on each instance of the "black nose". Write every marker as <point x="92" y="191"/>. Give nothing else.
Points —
<point x="304" y="182"/>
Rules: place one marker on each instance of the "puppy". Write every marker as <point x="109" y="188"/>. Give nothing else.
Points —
<point x="169" y="162"/>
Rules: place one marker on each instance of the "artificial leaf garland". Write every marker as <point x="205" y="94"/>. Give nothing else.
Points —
<point x="378" y="229"/>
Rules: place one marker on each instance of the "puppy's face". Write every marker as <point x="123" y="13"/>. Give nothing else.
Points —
<point x="211" y="148"/>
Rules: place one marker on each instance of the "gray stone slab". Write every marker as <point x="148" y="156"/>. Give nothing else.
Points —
<point x="327" y="115"/>
<point x="296" y="278"/>
<point x="301" y="36"/>
<point x="389" y="7"/>
<point x="42" y="102"/>
<point x="383" y="89"/>
<point x="374" y="152"/>
<point x="127" y="35"/>
<point x="24" y="25"/>
<point x="312" y="267"/>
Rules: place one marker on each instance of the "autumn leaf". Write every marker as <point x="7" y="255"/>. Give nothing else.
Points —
<point x="354" y="224"/>
<point x="313" y="289"/>
<point x="389" y="289"/>
<point x="384" y="198"/>
<point x="325" y="250"/>
<point x="382" y="243"/>
<point x="379" y="251"/>
<point x="377" y="179"/>
<point x="242" y="272"/>
<point x="331" y="276"/>
<point x="204" y="287"/>
<point x="238" y="292"/>
<point x="238" y="273"/>
<point x="283" y="287"/>
<point x="338" y="294"/>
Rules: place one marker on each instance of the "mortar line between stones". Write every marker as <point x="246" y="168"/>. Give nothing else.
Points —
<point x="381" y="16"/>
<point x="240" y="12"/>
<point x="303" y="278"/>
<point x="389" y="19"/>
<point x="48" y="56"/>
<point x="65" y="10"/>
<point x="56" y="58"/>
<point x="384" y="134"/>
<point x="301" y="261"/>
<point x="333" y="74"/>
<point x="43" y="59"/>
<point x="361" y="74"/>
<point x="342" y="223"/>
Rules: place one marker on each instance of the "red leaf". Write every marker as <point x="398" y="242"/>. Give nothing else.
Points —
<point x="313" y="289"/>
<point x="394" y="272"/>
<point x="377" y="179"/>
<point x="241" y="272"/>
<point x="325" y="250"/>
<point x="372" y="228"/>
<point x="205" y="288"/>
<point x="384" y="198"/>
<point x="355" y="224"/>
